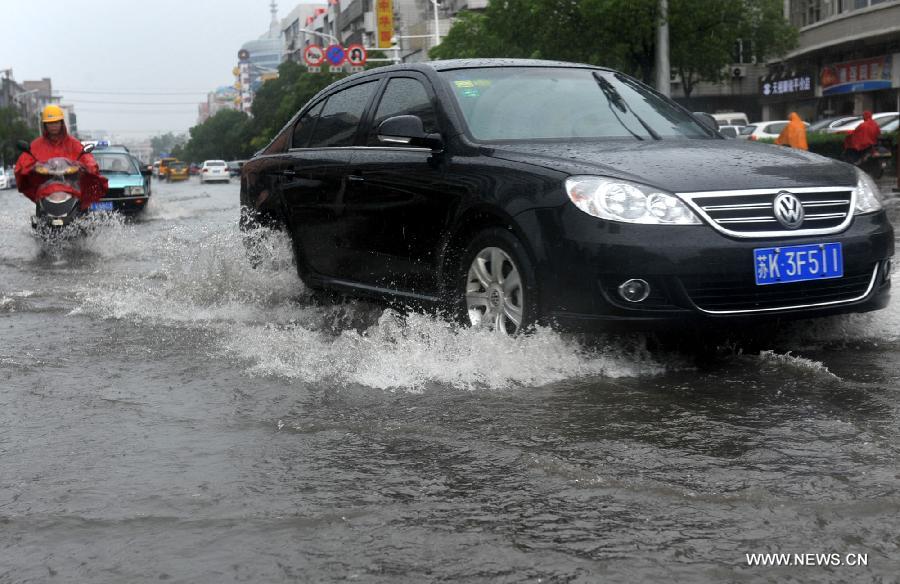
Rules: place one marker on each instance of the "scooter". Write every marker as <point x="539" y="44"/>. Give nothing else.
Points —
<point x="63" y="190"/>
<point x="872" y="161"/>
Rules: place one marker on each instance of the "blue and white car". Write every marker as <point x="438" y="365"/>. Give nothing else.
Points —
<point x="129" y="191"/>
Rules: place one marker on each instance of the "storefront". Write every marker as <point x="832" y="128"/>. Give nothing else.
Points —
<point x="851" y="87"/>
<point x="786" y="92"/>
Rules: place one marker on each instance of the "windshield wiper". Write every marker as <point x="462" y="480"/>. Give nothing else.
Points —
<point x="615" y="99"/>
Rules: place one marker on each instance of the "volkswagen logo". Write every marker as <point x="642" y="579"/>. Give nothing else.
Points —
<point x="788" y="210"/>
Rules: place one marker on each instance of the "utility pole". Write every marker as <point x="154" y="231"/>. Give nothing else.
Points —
<point x="663" y="82"/>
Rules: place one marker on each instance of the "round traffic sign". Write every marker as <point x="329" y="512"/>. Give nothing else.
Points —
<point x="335" y="55"/>
<point x="356" y="55"/>
<point x="313" y="55"/>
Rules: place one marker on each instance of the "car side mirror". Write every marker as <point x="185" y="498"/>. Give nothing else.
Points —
<point x="707" y="121"/>
<point x="87" y="149"/>
<point x="23" y="146"/>
<point x="409" y="130"/>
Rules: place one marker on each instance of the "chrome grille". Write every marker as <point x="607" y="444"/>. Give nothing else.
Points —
<point x="750" y="213"/>
<point x="732" y="295"/>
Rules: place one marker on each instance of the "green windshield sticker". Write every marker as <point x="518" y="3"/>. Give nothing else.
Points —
<point x="463" y="83"/>
<point x="470" y="92"/>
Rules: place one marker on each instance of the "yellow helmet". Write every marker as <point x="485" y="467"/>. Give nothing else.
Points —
<point x="52" y="113"/>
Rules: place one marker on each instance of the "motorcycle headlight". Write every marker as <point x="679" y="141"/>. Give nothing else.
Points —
<point x="628" y="202"/>
<point x="868" y="197"/>
<point x="131" y="191"/>
<point x="41" y="169"/>
<point x="71" y="170"/>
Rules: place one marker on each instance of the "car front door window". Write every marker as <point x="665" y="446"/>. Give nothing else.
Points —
<point x="340" y="116"/>
<point x="403" y="96"/>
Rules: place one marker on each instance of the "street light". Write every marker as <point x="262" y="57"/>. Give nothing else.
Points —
<point x="321" y="34"/>
<point x="437" y="24"/>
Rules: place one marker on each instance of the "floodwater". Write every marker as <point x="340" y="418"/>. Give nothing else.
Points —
<point x="168" y="413"/>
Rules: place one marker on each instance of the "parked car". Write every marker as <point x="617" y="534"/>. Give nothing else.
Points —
<point x="128" y="189"/>
<point x="4" y="179"/>
<point x="214" y="170"/>
<point x="177" y="171"/>
<point x="827" y="124"/>
<point x="731" y="119"/>
<point x="882" y="119"/>
<point x="511" y="192"/>
<point x="194" y="169"/>
<point x="764" y="130"/>
<point x="730" y="131"/>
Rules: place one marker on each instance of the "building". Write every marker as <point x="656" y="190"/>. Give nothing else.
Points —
<point x="258" y="61"/>
<point x="847" y="60"/>
<point x="224" y="97"/>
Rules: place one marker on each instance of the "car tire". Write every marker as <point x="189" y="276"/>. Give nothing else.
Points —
<point x="495" y="284"/>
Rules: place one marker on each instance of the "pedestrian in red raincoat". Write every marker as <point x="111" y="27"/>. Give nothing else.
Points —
<point x="54" y="142"/>
<point x="862" y="138"/>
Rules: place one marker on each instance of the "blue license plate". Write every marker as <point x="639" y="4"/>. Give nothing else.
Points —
<point x="798" y="263"/>
<point x="102" y="206"/>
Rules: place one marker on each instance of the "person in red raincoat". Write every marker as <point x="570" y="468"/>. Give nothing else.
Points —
<point x="54" y="142"/>
<point x="860" y="140"/>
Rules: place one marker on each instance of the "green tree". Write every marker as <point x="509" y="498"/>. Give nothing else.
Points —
<point x="707" y="32"/>
<point x="12" y="129"/>
<point x="222" y="136"/>
<point x="622" y="33"/>
<point x="164" y="143"/>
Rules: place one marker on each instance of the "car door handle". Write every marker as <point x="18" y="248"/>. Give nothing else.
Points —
<point x="355" y="178"/>
<point x="288" y="172"/>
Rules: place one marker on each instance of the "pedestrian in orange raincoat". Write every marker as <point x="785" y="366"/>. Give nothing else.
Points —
<point x="794" y="134"/>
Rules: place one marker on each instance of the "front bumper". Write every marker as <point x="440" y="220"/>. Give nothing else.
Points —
<point x="695" y="273"/>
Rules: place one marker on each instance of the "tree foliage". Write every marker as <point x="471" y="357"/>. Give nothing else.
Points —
<point x="164" y="143"/>
<point x="622" y="33"/>
<point x="12" y="129"/>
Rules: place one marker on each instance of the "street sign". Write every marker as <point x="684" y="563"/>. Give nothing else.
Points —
<point x="356" y="55"/>
<point x="335" y="55"/>
<point x="313" y="55"/>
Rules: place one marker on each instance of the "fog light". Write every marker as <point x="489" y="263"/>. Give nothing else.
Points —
<point x="635" y="290"/>
<point x="886" y="270"/>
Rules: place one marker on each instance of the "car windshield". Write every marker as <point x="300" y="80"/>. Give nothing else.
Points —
<point x="528" y="103"/>
<point x="214" y="163"/>
<point x="884" y="121"/>
<point x="113" y="163"/>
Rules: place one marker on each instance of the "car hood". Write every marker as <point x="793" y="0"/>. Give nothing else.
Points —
<point x="120" y="181"/>
<point x="687" y="165"/>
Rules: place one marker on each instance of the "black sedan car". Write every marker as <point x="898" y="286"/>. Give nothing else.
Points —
<point x="514" y="192"/>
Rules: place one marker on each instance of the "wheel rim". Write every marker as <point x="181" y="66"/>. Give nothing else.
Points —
<point x="495" y="298"/>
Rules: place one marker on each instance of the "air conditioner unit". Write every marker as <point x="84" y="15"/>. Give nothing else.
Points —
<point x="738" y="72"/>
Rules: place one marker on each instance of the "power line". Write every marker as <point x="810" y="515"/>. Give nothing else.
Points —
<point x="137" y="102"/>
<point x="118" y="92"/>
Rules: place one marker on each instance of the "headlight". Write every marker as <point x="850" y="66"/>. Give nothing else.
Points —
<point x="868" y="197"/>
<point x="619" y="200"/>
<point x="131" y="191"/>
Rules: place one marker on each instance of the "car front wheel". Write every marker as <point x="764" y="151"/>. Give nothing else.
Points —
<point x="496" y="289"/>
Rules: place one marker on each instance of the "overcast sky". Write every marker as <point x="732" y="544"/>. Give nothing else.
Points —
<point x="188" y="47"/>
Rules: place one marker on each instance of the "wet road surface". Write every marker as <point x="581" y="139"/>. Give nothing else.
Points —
<point x="168" y="413"/>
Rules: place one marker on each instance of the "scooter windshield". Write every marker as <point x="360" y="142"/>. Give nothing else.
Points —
<point x="59" y="171"/>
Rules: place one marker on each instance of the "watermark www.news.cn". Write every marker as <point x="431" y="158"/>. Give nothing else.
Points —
<point x="832" y="559"/>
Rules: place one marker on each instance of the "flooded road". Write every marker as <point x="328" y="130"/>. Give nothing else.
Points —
<point x="168" y="413"/>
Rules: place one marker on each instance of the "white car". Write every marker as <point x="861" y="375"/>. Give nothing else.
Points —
<point x="213" y="170"/>
<point x="4" y="181"/>
<point x="882" y="119"/>
<point x="764" y="130"/>
<point x="730" y="131"/>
